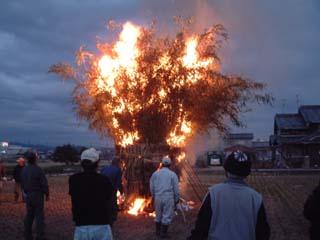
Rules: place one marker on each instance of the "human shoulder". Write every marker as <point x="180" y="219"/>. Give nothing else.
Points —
<point x="173" y="174"/>
<point x="156" y="173"/>
<point x="103" y="178"/>
<point x="217" y="186"/>
<point x="27" y="168"/>
<point x="39" y="168"/>
<point x="75" y="176"/>
<point x="254" y="192"/>
<point x="105" y="168"/>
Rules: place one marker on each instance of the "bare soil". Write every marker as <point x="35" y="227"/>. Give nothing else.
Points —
<point x="284" y="197"/>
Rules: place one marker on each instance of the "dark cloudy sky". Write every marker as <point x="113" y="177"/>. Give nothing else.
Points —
<point x="275" y="42"/>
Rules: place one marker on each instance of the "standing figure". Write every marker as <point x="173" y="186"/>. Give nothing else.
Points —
<point x="164" y="188"/>
<point x="91" y="195"/>
<point x="35" y="186"/>
<point x="312" y="213"/>
<point x="17" y="190"/>
<point x="114" y="174"/>
<point x="2" y="176"/>
<point x="232" y="210"/>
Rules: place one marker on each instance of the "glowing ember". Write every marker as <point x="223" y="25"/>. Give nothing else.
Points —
<point x="153" y="214"/>
<point x="120" y="198"/>
<point x="138" y="206"/>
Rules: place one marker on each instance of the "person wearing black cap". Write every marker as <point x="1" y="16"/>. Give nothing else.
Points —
<point x="232" y="210"/>
<point x="312" y="213"/>
<point x="35" y="186"/>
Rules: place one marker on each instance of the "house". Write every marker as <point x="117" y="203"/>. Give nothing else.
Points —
<point x="238" y="147"/>
<point x="238" y="142"/>
<point x="233" y="139"/>
<point x="296" y="139"/>
<point x="262" y="150"/>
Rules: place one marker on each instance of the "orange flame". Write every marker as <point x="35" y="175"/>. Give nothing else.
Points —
<point x="123" y="59"/>
<point x="181" y="156"/>
<point x="147" y="88"/>
<point x="180" y="134"/>
<point x="120" y="198"/>
<point x="138" y="206"/>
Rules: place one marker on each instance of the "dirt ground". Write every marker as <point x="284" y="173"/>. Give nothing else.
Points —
<point x="284" y="197"/>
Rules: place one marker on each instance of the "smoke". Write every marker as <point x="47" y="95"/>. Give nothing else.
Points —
<point x="199" y="144"/>
<point x="164" y="11"/>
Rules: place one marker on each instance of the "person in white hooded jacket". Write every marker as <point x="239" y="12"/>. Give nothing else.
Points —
<point x="164" y="187"/>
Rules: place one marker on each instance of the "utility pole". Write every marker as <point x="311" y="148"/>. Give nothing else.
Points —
<point x="283" y="105"/>
<point x="298" y="101"/>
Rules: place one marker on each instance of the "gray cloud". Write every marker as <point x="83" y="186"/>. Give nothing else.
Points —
<point x="270" y="41"/>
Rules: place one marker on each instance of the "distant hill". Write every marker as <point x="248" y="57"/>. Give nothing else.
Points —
<point x="45" y="148"/>
<point x="39" y="147"/>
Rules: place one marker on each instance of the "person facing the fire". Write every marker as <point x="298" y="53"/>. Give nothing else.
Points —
<point x="35" y="186"/>
<point x="164" y="188"/>
<point x="312" y="213"/>
<point x="2" y="176"/>
<point x="114" y="174"/>
<point x="91" y="195"/>
<point x="232" y="210"/>
<point x="17" y="190"/>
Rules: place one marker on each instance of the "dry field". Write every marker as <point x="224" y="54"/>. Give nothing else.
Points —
<point x="284" y="197"/>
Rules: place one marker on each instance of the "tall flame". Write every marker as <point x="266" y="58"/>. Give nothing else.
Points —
<point x="128" y="68"/>
<point x="125" y="53"/>
<point x="150" y="89"/>
<point x="123" y="58"/>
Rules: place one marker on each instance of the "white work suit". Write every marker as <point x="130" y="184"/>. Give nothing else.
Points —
<point x="164" y="187"/>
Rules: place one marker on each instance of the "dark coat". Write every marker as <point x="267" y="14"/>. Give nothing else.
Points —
<point x="114" y="174"/>
<point x="312" y="213"/>
<point x="17" y="173"/>
<point x="33" y="180"/>
<point x="91" y="198"/>
<point x="2" y="171"/>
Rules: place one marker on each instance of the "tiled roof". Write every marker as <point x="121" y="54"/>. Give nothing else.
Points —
<point x="311" y="113"/>
<point x="260" y="144"/>
<point x="290" y="121"/>
<point x="286" y="140"/>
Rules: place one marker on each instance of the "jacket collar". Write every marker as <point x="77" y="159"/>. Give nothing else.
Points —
<point x="236" y="180"/>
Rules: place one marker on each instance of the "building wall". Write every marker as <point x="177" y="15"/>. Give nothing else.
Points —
<point x="232" y="142"/>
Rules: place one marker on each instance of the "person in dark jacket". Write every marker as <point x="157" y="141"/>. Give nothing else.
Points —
<point x="35" y="187"/>
<point x="17" y="179"/>
<point x="312" y="213"/>
<point x="91" y="195"/>
<point x="2" y="176"/>
<point x="114" y="174"/>
<point x="232" y="210"/>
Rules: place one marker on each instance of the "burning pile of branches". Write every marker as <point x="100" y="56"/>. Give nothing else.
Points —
<point x="143" y="88"/>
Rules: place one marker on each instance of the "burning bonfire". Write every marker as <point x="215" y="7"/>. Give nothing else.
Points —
<point x="145" y="90"/>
